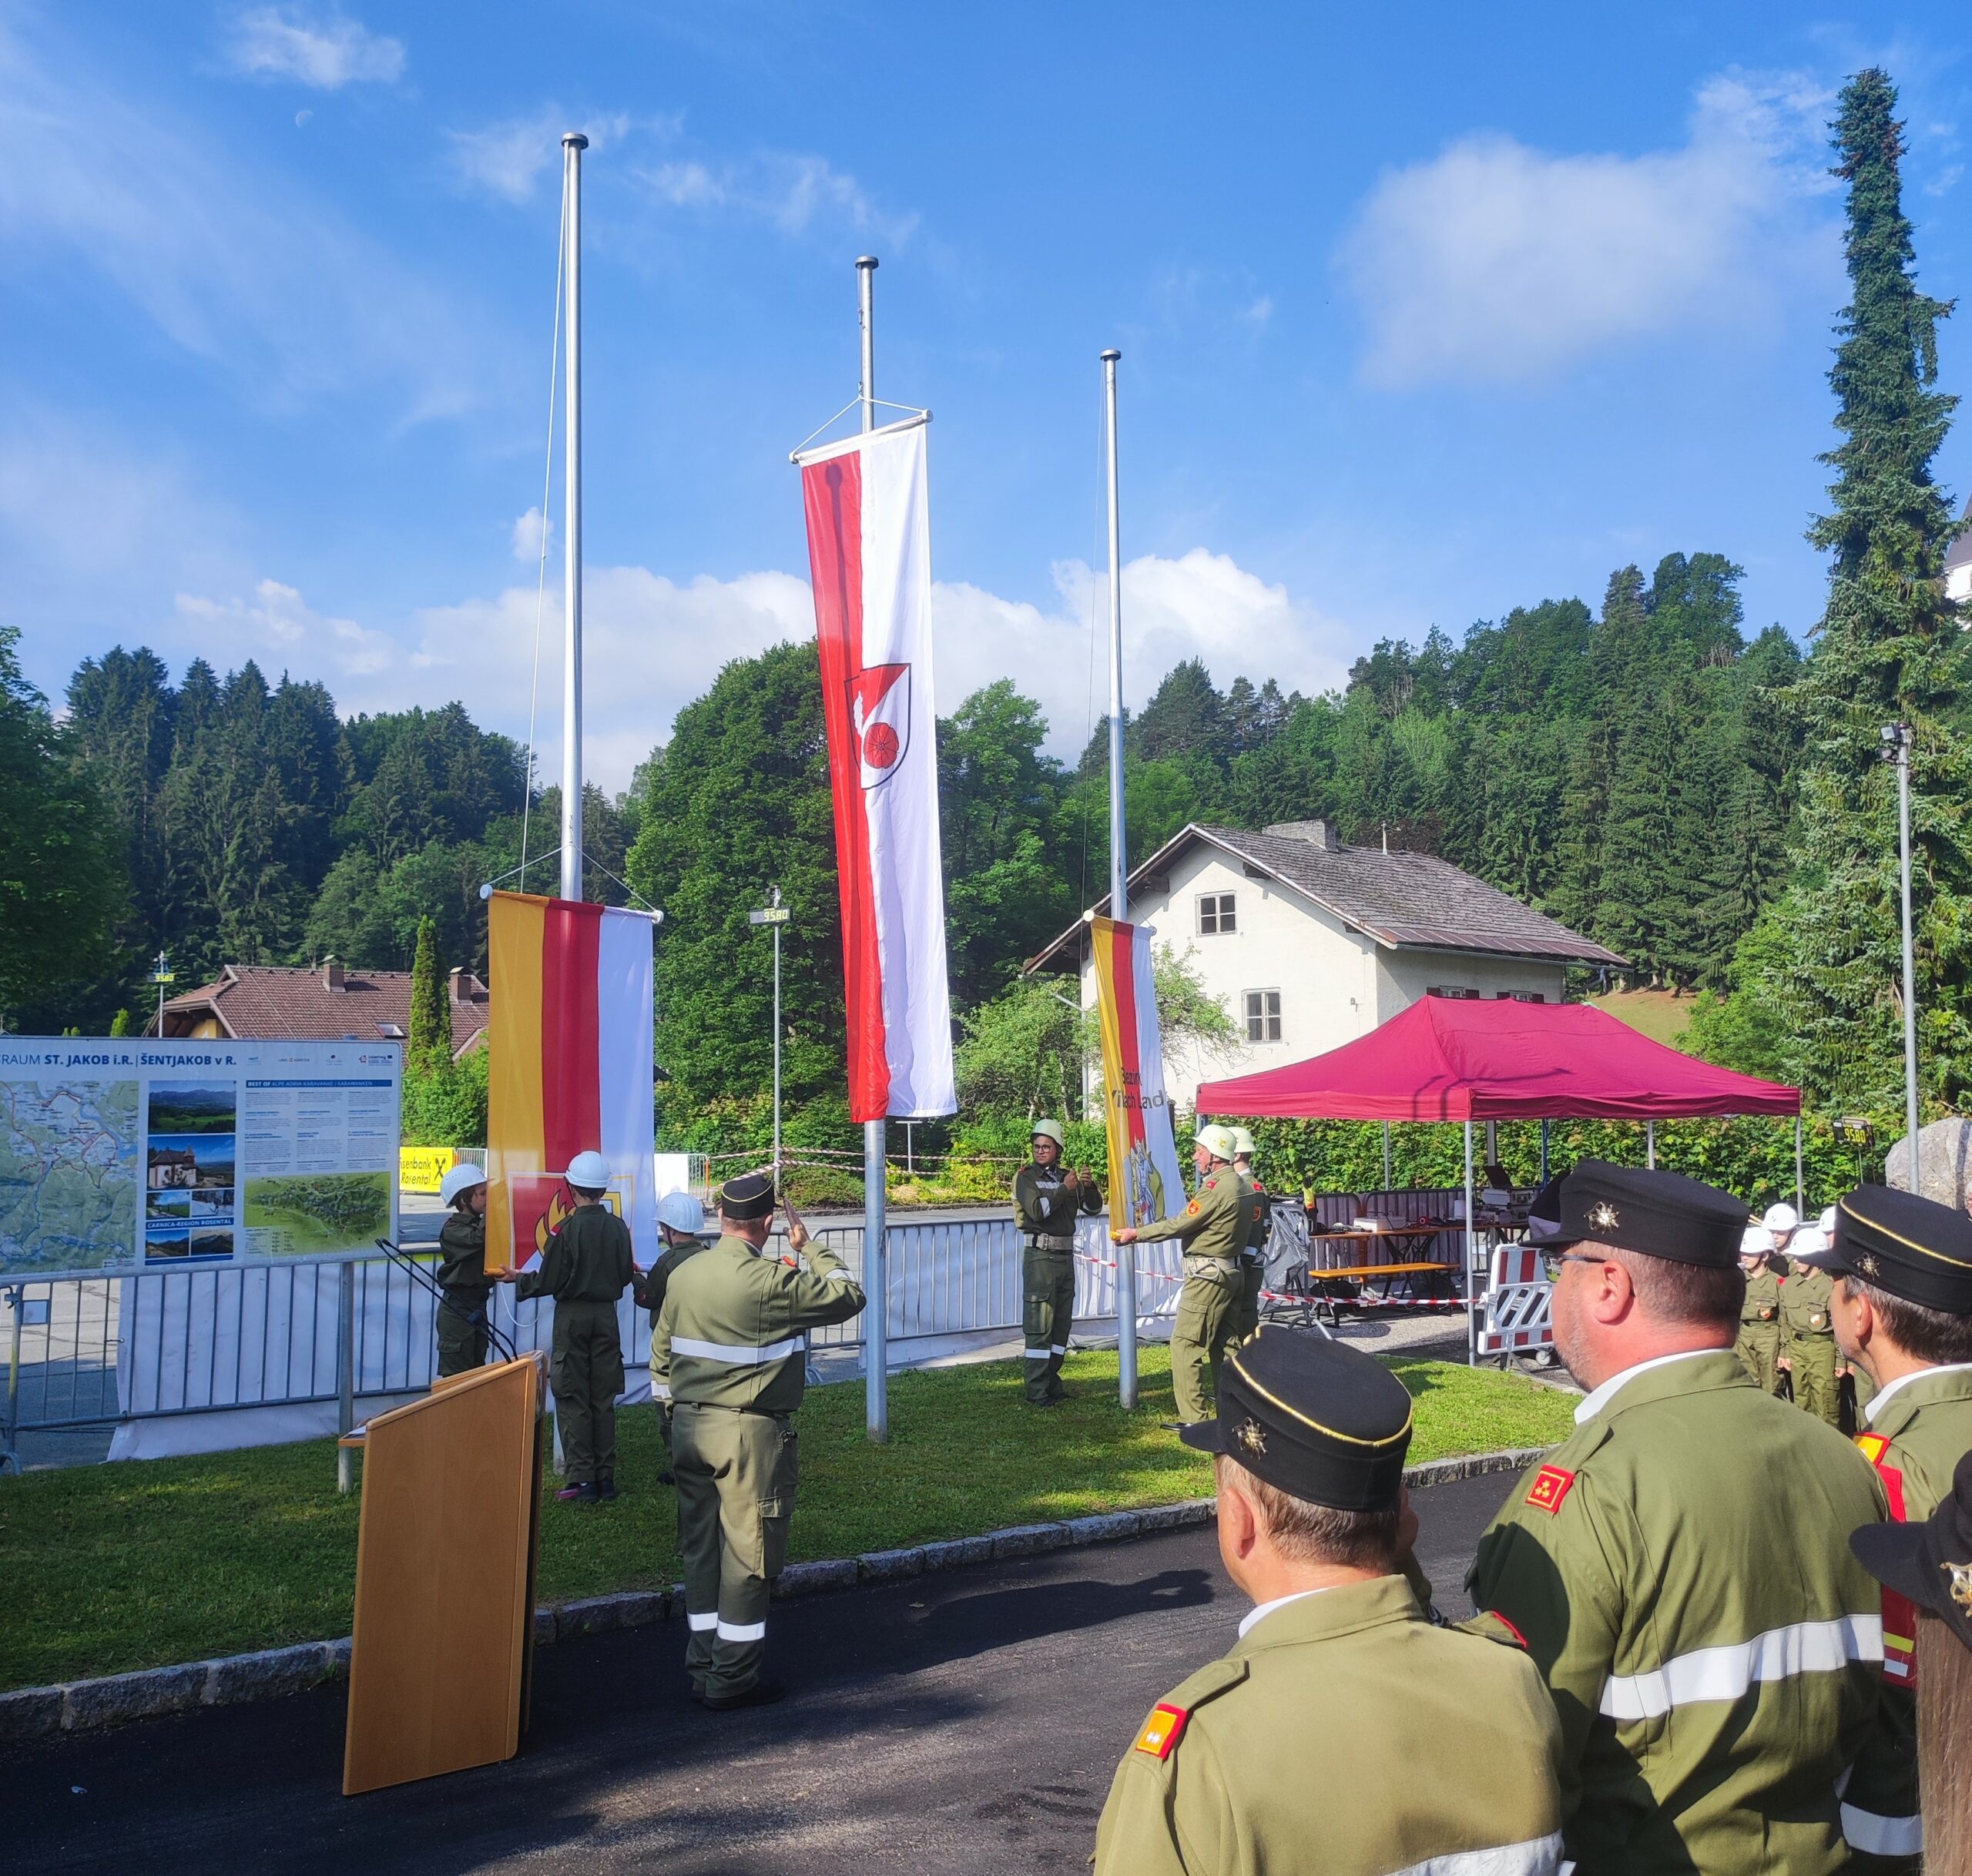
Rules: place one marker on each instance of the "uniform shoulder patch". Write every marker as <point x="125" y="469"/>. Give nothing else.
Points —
<point x="1874" y="1444"/>
<point x="1192" y="1208"/>
<point x="1495" y="1627"/>
<point x="1552" y="1485"/>
<point x="1162" y="1730"/>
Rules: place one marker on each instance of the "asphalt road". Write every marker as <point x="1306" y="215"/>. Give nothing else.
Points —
<point x="970" y="1720"/>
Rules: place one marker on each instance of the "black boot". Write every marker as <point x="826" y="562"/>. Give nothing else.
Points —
<point x="606" y="1489"/>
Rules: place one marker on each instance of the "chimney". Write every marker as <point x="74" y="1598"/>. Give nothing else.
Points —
<point x="1316" y="833"/>
<point x="456" y="989"/>
<point x="332" y="976"/>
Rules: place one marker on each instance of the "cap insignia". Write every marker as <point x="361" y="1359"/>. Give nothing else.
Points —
<point x="1960" y="1591"/>
<point x="1602" y="1216"/>
<point x="1867" y="1263"/>
<point x="1252" y="1436"/>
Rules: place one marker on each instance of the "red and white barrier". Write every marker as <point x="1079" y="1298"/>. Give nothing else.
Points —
<point x="1517" y="1319"/>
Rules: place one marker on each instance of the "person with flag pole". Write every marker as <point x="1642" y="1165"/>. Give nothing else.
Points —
<point x="1046" y="1199"/>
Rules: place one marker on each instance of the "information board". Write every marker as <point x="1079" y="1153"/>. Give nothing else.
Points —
<point x="131" y="1151"/>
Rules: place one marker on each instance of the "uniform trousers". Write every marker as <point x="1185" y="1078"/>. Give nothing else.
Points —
<point x="1048" y="1315"/>
<point x="461" y="1339"/>
<point x="1252" y="1279"/>
<point x="586" y="1371"/>
<point x="1208" y="1321"/>
<point x="1759" y="1347"/>
<point x="736" y="1476"/>
<point x="1813" y="1357"/>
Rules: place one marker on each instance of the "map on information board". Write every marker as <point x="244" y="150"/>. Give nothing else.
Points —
<point x="131" y="1150"/>
<point x="69" y="1173"/>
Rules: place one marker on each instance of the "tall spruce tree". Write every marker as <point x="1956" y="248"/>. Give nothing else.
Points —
<point x="428" y="1049"/>
<point x="1888" y="650"/>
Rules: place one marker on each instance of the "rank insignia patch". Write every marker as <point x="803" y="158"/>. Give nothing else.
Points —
<point x="1550" y="1486"/>
<point x="1161" y="1731"/>
<point x="1193" y="1207"/>
<point x="1960" y="1591"/>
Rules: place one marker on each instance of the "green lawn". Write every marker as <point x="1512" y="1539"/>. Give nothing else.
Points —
<point x="137" y="1565"/>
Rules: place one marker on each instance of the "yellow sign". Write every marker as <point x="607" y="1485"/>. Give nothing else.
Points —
<point x="421" y="1169"/>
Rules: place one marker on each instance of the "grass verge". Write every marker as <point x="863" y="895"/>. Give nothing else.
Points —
<point x="142" y="1564"/>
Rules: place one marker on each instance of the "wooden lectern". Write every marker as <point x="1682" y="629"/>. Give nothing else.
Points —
<point x="444" y="1645"/>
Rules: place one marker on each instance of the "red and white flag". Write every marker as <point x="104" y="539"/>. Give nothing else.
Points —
<point x="870" y="553"/>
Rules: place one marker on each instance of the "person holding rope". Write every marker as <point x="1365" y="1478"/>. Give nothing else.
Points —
<point x="461" y="1272"/>
<point x="1212" y="1227"/>
<point x="1046" y="1199"/>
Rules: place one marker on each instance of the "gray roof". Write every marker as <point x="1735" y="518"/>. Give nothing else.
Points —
<point x="1410" y="900"/>
<point x="1959" y="552"/>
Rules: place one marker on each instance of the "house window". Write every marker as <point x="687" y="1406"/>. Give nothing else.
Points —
<point x="1451" y="989"/>
<point x="1263" y="1016"/>
<point x="1216" y="914"/>
<point x="1518" y="996"/>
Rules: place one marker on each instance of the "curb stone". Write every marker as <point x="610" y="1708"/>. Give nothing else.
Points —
<point x="30" y="1713"/>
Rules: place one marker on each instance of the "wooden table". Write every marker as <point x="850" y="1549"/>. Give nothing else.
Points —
<point x="1399" y="1244"/>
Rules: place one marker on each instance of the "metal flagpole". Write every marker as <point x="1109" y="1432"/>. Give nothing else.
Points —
<point x="777" y="1037"/>
<point x="1119" y="889"/>
<point x="876" y="1259"/>
<point x="572" y="146"/>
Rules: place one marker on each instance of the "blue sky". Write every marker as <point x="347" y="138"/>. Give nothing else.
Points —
<point x="1425" y="312"/>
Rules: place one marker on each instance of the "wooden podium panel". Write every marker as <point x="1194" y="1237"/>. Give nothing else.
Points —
<point x="444" y="1579"/>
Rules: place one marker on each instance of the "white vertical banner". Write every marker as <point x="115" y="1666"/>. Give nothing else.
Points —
<point x="625" y="1053"/>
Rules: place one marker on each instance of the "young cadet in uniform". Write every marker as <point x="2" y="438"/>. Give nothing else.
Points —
<point x="586" y="1268"/>
<point x="1809" y="1352"/>
<point x="728" y="1343"/>
<point x="1339" y="1733"/>
<point x="1760" y="1315"/>
<point x="1859" y="1383"/>
<point x="680" y="1224"/>
<point x="1213" y="1228"/>
<point x="1679" y="1568"/>
<point x="1047" y="1197"/>
<point x="1260" y="1221"/>
<point x="461" y="1272"/>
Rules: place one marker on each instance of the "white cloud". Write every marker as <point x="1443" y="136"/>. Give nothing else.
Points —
<point x="228" y="263"/>
<point x="509" y="158"/>
<point x="527" y="541"/>
<point x="322" y="47"/>
<point x="651" y="645"/>
<point x="1495" y="263"/>
<point x="794" y="193"/>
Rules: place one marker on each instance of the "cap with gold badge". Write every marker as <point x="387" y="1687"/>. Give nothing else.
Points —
<point x="1913" y="1247"/>
<point x="748" y="1196"/>
<point x="1634" y="1208"/>
<point x="1318" y="1419"/>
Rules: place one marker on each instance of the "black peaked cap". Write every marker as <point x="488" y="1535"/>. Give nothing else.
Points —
<point x="1658" y="1213"/>
<point x="751" y="1195"/>
<point x="1318" y="1419"/>
<point x="1911" y="1247"/>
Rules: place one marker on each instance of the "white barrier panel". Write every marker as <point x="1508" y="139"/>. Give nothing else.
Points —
<point x="1518" y="1318"/>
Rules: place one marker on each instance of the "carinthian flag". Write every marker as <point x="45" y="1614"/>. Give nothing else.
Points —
<point x="1150" y="1186"/>
<point x="570" y="1033"/>
<point x="869" y="549"/>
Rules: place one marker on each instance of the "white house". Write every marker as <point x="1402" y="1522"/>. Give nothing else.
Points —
<point x="1310" y="943"/>
<point x="1958" y="565"/>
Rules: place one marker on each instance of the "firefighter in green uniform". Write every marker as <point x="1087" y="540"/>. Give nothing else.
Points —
<point x="586" y="1268"/>
<point x="461" y="1272"/>
<point x="680" y="1224"/>
<point x="1259" y="1223"/>
<point x="1679" y="1567"/>
<point x="1047" y="1197"/>
<point x="1808" y="1354"/>
<point x="1339" y="1732"/>
<point x="1212" y="1227"/>
<point x="728" y="1345"/>
<point x="1860" y="1385"/>
<point x="1760" y="1315"/>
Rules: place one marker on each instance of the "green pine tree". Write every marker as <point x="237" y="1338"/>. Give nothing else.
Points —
<point x="429" y="1049"/>
<point x="1888" y="650"/>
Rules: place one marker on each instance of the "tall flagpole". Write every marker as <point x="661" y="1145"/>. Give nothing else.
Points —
<point x="572" y="146"/>
<point x="875" y="1250"/>
<point x="1119" y="893"/>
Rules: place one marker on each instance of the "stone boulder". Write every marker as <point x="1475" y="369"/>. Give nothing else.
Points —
<point x="1944" y="1161"/>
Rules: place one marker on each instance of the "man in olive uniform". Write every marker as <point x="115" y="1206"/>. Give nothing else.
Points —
<point x="1809" y="1352"/>
<point x="1047" y="1197"/>
<point x="680" y="1224"/>
<point x="1343" y="1732"/>
<point x="1861" y="1387"/>
<point x="1259" y="1223"/>
<point x="1760" y="1315"/>
<point x="586" y="1268"/>
<point x="1902" y="1313"/>
<point x="1212" y="1227"/>
<point x="461" y="1272"/>
<point x="1679" y="1568"/>
<point x="728" y="1344"/>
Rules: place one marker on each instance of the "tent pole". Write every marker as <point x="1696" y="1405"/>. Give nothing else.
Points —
<point x="1543" y="1179"/>
<point x="1471" y="1249"/>
<point x="1800" y="1200"/>
<point x="1389" y="1181"/>
<point x="1650" y="1144"/>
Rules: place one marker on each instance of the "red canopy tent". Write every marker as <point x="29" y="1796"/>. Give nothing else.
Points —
<point x="1458" y="1059"/>
<point x="1451" y="1058"/>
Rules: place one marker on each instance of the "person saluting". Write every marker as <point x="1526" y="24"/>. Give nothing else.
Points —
<point x="1047" y="1197"/>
